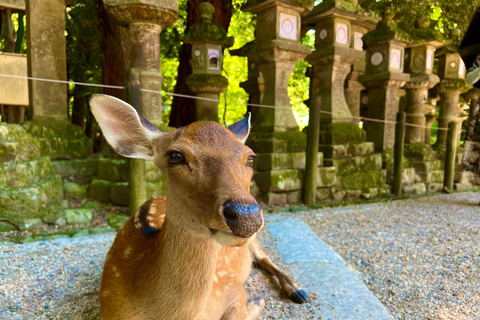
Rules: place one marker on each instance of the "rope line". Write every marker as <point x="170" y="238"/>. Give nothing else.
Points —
<point x="207" y="99"/>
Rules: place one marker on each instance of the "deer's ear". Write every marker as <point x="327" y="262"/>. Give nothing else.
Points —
<point x="129" y="134"/>
<point x="241" y="128"/>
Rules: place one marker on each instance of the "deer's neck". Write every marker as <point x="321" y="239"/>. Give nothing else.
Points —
<point x="187" y="267"/>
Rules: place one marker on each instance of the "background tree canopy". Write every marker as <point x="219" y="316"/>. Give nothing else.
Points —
<point x="90" y="34"/>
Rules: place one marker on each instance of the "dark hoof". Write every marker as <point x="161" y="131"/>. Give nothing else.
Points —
<point x="299" y="297"/>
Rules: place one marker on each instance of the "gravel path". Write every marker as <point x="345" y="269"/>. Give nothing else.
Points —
<point x="60" y="279"/>
<point x="420" y="258"/>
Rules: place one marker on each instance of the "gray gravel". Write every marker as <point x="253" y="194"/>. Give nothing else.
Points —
<point x="419" y="257"/>
<point x="60" y="279"/>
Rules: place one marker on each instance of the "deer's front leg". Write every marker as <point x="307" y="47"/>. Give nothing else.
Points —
<point x="292" y="289"/>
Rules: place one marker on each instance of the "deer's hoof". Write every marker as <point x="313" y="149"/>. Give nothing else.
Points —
<point x="299" y="297"/>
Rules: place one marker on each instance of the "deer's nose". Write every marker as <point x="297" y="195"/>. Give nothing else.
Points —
<point x="243" y="220"/>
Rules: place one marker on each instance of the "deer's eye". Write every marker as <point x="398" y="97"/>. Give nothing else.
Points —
<point x="175" y="158"/>
<point x="251" y="161"/>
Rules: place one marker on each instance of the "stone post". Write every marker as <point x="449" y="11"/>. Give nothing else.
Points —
<point x="419" y="59"/>
<point x="47" y="59"/>
<point x="277" y="49"/>
<point x="208" y="40"/>
<point x="145" y="19"/>
<point x="430" y="118"/>
<point x="383" y="76"/>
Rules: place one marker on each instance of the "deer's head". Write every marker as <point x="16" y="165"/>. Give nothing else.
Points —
<point x="208" y="169"/>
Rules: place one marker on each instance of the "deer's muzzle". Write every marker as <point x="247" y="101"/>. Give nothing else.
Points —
<point x="243" y="220"/>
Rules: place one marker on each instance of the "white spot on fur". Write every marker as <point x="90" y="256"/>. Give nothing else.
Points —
<point x="105" y="293"/>
<point x="115" y="271"/>
<point x="127" y="252"/>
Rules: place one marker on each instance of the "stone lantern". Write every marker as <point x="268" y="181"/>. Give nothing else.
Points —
<point x="274" y="53"/>
<point x="419" y="58"/>
<point x="334" y="55"/>
<point x="383" y="76"/>
<point x="451" y="71"/>
<point x="206" y="81"/>
<point x="145" y="20"/>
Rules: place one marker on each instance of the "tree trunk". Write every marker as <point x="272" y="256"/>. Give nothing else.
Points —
<point x="183" y="109"/>
<point x="114" y="50"/>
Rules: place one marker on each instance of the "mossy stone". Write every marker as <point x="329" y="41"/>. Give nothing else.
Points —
<point x="36" y="238"/>
<point x="76" y="166"/>
<point x="41" y="200"/>
<point x="100" y="190"/>
<point x="6" y="226"/>
<point x="75" y="189"/>
<point x="341" y="133"/>
<point x="90" y="205"/>
<point x="120" y="193"/>
<point x="59" y="140"/>
<point x="273" y="142"/>
<point x="30" y="224"/>
<point x="80" y="233"/>
<point x="113" y="169"/>
<point x="117" y="220"/>
<point x="78" y="216"/>
<point x="102" y="230"/>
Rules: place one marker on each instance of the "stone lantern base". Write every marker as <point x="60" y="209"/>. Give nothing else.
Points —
<point x="207" y="86"/>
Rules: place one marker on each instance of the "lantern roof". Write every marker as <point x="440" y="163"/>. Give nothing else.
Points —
<point x="425" y="34"/>
<point x="386" y="30"/>
<point x="451" y="45"/>
<point x="207" y="31"/>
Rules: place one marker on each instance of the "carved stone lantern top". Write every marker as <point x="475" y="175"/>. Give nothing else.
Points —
<point x="423" y="34"/>
<point x="206" y="31"/>
<point x="125" y="12"/>
<point x="387" y="30"/>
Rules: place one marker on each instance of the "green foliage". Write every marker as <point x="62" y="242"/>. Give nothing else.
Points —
<point x="445" y="14"/>
<point x="233" y="102"/>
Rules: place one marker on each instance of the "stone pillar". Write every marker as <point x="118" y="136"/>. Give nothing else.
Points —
<point x="353" y="87"/>
<point x="332" y="60"/>
<point x="255" y="85"/>
<point x="277" y="49"/>
<point x="47" y="59"/>
<point x="383" y="76"/>
<point x="473" y="126"/>
<point x="419" y="59"/>
<point x="208" y="40"/>
<point x="451" y="71"/>
<point x="145" y="19"/>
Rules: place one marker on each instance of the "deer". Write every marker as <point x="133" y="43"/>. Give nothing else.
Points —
<point x="186" y="255"/>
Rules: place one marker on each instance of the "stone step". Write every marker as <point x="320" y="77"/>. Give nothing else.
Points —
<point x="60" y="140"/>
<point x="347" y="150"/>
<point x="116" y="170"/>
<point x="38" y="200"/>
<point x="275" y="161"/>
<point x="363" y="180"/>
<point x="119" y="192"/>
<point x="316" y="267"/>
<point x="76" y="166"/>
<point x="16" y="144"/>
<point x="356" y="163"/>
<point x="20" y="175"/>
